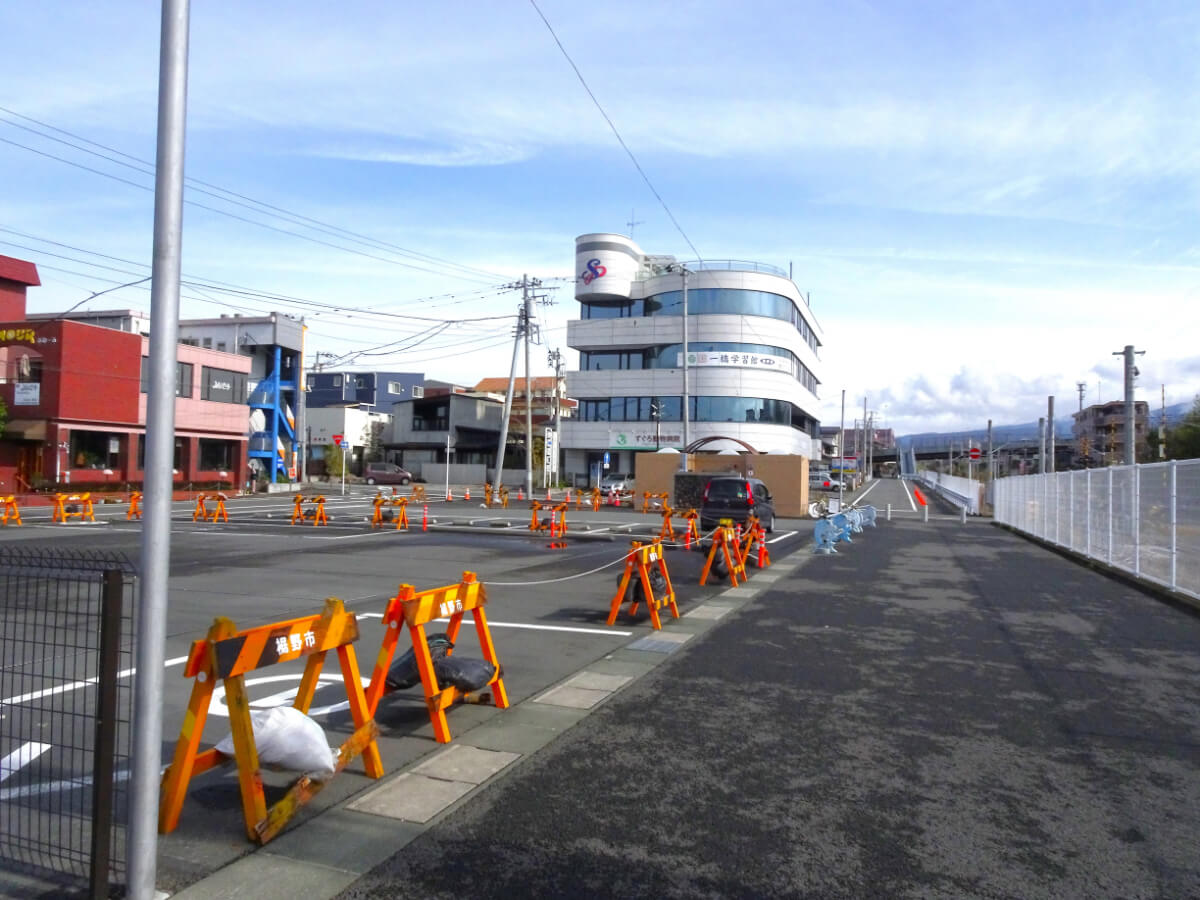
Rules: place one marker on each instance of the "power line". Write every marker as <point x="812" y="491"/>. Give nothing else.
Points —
<point x="241" y="290"/>
<point x="147" y="168"/>
<point x="621" y="140"/>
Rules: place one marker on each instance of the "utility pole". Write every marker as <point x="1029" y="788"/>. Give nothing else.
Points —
<point x="862" y="444"/>
<point x="1162" y="425"/>
<point x="1081" y="386"/>
<point x="1131" y="372"/>
<point x="991" y="467"/>
<point x="1050" y="421"/>
<point x="842" y="452"/>
<point x="1042" y="445"/>
<point x="512" y="380"/>
<point x="528" y="390"/>
<point x="555" y="359"/>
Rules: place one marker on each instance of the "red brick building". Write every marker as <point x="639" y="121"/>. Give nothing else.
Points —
<point x="77" y="404"/>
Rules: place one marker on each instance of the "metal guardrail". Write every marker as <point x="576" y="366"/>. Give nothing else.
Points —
<point x="1143" y="520"/>
<point x="66" y="632"/>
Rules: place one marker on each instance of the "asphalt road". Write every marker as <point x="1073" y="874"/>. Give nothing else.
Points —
<point x="938" y="711"/>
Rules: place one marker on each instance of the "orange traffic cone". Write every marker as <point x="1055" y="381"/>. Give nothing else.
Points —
<point x="520" y="494"/>
<point x="568" y="500"/>
<point x="548" y="500"/>
<point x="449" y="495"/>
<point x="762" y="546"/>
<point x="425" y="517"/>
<point x="467" y="496"/>
<point x="687" y="539"/>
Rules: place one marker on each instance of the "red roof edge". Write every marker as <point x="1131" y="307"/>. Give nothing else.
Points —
<point x="18" y="270"/>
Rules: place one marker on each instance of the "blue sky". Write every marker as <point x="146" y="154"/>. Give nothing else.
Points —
<point x="983" y="200"/>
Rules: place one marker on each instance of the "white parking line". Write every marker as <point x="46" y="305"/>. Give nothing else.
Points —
<point x="21" y="757"/>
<point x="76" y="685"/>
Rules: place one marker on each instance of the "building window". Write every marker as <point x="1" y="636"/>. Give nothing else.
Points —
<point x="222" y="385"/>
<point x="207" y="343"/>
<point x="395" y="387"/>
<point x="418" y="391"/>
<point x="191" y="342"/>
<point x="95" y="450"/>
<point x="177" y="457"/>
<point x="221" y="346"/>
<point x="337" y="381"/>
<point x="216" y="455"/>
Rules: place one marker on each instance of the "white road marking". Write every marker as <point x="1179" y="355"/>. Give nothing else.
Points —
<point x="20" y="758"/>
<point x="911" y="502"/>
<point x="76" y="685"/>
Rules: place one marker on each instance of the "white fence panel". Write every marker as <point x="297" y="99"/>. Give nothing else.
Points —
<point x="1144" y="520"/>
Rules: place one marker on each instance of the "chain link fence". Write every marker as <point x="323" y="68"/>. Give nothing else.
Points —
<point x="1144" y="520"/>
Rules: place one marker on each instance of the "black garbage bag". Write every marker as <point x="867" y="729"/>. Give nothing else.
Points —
<point x="404" y="672"/>
<point x="465" y="674"/>
<point x="635" y="590"/>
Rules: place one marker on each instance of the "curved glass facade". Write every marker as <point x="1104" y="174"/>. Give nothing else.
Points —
<point x="707" y="301"/>
<point x="670" y="409"/>
<point x="666" y="356"/>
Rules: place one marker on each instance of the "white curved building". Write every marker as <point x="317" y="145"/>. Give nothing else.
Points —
<point x="753" y="366"/>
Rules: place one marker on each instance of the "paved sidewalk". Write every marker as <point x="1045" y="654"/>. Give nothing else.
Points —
<point x="937" y="711"/>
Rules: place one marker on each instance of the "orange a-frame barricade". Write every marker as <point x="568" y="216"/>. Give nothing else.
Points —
<point x="219" y="513"/>
<point x="418" y="609"/>
<point x="595" y="499"/>
<point x="755" y="534"/>
<point x="378" y="521"/>
<point x="317" y="515"/>
<point x="135" y="506"/>
<point x="200" y="513"/>
<point x="418" y="492"/>
<point x="668" y="528"/>
<point x="82" y="510"/>
<point x="228" y="654"/>
<point x="10" y="510"/>
<point x="652" y="502"/>
<point x="726" y="543"/>
<point x="638" y="563"/>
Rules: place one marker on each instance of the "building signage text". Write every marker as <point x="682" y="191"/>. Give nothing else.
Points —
<point x="743" y="360"/>
<point x="647" y="439"/>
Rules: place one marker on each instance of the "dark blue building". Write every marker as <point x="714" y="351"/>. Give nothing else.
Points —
<point x="373" y="390"/>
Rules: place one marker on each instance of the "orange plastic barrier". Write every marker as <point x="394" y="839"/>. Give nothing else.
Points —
<point x="487" y="495"/>
<point x="638" y="563"/>
<point x="228" y="654"/>
<point x="81" y="508"/>
<point x="726" y="543"/>
<point x="692" y="534"/>
<point x="418" y="492"/>
<point x="317" y="514"/>
<point x="418" y="609"/>
<point x="595" y="499"/>
<point x="10" y="510"/>
<point x="135" y="506"/>
<point x="503" y="497"/>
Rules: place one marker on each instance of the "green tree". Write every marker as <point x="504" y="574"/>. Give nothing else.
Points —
<point x="3" y="414"/>
<point x="335" y="461"/>
<point x="1183" y="441"/>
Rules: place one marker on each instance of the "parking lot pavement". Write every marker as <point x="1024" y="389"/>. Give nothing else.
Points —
<point x="548" y="601"/>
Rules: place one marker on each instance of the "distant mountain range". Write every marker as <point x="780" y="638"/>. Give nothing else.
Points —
<point x="1028" y="431"/>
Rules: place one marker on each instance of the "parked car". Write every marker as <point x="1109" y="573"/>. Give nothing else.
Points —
<point x="735" y="497"/>
<point x="386" y="473"/>
<point x="616" y="482"/>
<point x="823" y="481"/>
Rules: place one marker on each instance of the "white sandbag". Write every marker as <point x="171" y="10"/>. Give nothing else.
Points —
<point x="287" y="738"/>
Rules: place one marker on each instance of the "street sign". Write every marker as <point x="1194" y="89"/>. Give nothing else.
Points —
<point x="345" y="445"/>
<point x="337" y="438"/>
<point x="974" y="453"/>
